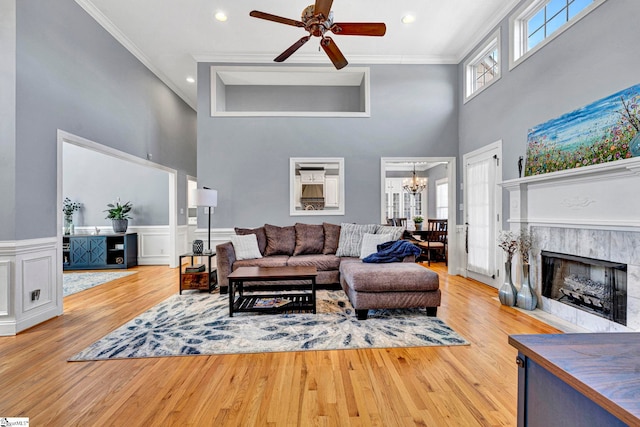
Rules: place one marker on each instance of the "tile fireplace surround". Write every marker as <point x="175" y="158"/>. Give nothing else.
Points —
<point x="592" y="212"/>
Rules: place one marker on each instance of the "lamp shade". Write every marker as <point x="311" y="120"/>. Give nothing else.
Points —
<point x="205" y="197"/>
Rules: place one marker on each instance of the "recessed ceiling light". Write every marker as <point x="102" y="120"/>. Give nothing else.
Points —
<point x="408" y="19"/>
<point x="191" y="79"/>
<point x="221" y="16"/>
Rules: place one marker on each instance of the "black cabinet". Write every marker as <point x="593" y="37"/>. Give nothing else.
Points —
<point x="85" y="252"/>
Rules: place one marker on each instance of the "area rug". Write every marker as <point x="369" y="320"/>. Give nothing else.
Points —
<point x="76" y="282"/>
<point x="199" y="324"/>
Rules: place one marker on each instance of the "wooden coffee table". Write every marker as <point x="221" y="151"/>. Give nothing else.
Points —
<point x="302" y="300"/>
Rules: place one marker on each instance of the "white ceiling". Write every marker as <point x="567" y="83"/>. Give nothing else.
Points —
<point x="171" y="36"/>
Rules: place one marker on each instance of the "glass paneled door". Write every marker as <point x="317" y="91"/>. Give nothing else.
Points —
<point x="483" y="205"/>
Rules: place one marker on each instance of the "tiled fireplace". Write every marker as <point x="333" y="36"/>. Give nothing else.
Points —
<point x="591" y="213"/>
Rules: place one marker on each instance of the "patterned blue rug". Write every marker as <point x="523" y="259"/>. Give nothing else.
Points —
<point x="198" y="323"/>
<point x="76" y="282"/>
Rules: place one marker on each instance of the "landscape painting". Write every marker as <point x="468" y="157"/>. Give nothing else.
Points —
<point x="604" y="131"/>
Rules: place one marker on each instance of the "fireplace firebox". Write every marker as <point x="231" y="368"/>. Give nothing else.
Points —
<point x="595" y="286"/>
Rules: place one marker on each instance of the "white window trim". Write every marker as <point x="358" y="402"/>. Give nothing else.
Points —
<point x="492" y="43"/>
<point x="517" y="29"/>
<point x="439" y="182"/>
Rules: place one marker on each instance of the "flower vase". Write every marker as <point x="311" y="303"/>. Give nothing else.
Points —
<point x="526" y="297"/>
<point x="68" y="224"/>
<point x="508" y="292"/>
<point x="418" y="226"/>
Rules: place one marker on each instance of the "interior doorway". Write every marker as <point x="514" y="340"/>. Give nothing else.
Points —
<point x="68" y="138"/>
<point x="396" y="172"/>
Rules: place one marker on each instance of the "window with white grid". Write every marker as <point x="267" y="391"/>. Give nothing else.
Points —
<point x="483" y="69"/>
<point x="537" y="22"/>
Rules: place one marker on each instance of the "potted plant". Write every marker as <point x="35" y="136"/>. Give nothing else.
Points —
<point x="118" y="213"/>
<point x="68" y="208"/>
<point x="418" y="220"/>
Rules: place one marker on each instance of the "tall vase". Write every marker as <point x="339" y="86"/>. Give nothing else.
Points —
<point x="68" y="224"/>
<point x="526" y="297"/>
<point x="508" y="292"/>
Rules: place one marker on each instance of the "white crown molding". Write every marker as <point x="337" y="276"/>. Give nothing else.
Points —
<point x="111" y="28"/>
<point x="488" y="28"/>
<point x="322" y="59"/>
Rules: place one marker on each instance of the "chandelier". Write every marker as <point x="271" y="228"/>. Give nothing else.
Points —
<point x="415" y="184"/>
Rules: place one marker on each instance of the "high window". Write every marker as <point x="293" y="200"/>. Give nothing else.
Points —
<point x="537" y="22"/>
<point x="483" y="69"/>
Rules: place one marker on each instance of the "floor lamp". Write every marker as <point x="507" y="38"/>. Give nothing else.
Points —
<point x="208" y="198"/>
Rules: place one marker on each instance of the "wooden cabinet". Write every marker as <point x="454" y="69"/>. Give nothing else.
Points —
<point x="312" y="176"/>
<point x="578" y="379"/>
<point x="85" y="252"/>
<point x="205" y="280"/>
<point x="331" y="191"/>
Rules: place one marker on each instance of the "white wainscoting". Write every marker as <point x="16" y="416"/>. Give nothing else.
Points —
<point x="153" y="242"/>
<point x="218" y="235"/>
<point x="27" y="266"/>
<point x="460" y="256"/>
<point x="5" y="286"/>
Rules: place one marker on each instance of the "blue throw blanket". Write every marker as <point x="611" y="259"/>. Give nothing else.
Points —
<point x="394" y="251"/>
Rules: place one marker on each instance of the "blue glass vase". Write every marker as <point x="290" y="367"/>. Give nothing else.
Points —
<point x="507" y="293"/>
<point x="527" y="299"/>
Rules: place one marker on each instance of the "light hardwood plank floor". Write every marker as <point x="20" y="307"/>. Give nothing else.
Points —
<point x="426" y="386"/>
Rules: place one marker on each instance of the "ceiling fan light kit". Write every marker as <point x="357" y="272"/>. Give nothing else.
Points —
<point x="317" y="19"/>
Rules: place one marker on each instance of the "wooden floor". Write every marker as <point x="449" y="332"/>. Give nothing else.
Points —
<point x="430" y="386"/>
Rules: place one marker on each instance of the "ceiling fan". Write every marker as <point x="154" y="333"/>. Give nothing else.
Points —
<point x="317" y="19"/>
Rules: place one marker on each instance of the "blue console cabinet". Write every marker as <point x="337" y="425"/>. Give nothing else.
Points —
<point x="95" y="252"/>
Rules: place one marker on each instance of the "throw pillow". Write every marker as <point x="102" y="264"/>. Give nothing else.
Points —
<point x="396" y="232"/>
<point x="331" y="238"/>
<point x="280" y="240"/>
<point x="246" y="247"/>
<point x="370" y="243"/>
<point x="260" y="234"/>
<point x="309" y="239"/>
<point x="350" y="242"/>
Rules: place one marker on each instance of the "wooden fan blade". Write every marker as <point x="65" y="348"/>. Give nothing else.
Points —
<point x="359" y="28"/>
<point x="275" y="18"/>
<point x="334" y="54"/>
<point x="297" y="45"/>
<point x="322" y="7"/>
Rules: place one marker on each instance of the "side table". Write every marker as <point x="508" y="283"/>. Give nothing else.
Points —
<point x="203" y="280"/>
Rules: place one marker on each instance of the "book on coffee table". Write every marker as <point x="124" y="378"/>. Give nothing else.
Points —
<point x="271" y="302"/>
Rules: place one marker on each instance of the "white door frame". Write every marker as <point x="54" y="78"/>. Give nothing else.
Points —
<point x="492" y="150"/>
<point x="451" y="174"/>
<point x="94" y="146"/>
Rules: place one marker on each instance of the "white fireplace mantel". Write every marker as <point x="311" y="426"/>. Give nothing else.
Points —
<point x="605" y="196"/>
<point x="591" y="212"/>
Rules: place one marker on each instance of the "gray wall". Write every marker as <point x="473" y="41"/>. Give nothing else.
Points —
<point x="596" y="57"/>
<point x="95" y="179"/>
<point x="413" y="114"/>
<point x="72" y="75"/>
<point x="7" y="115"/>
